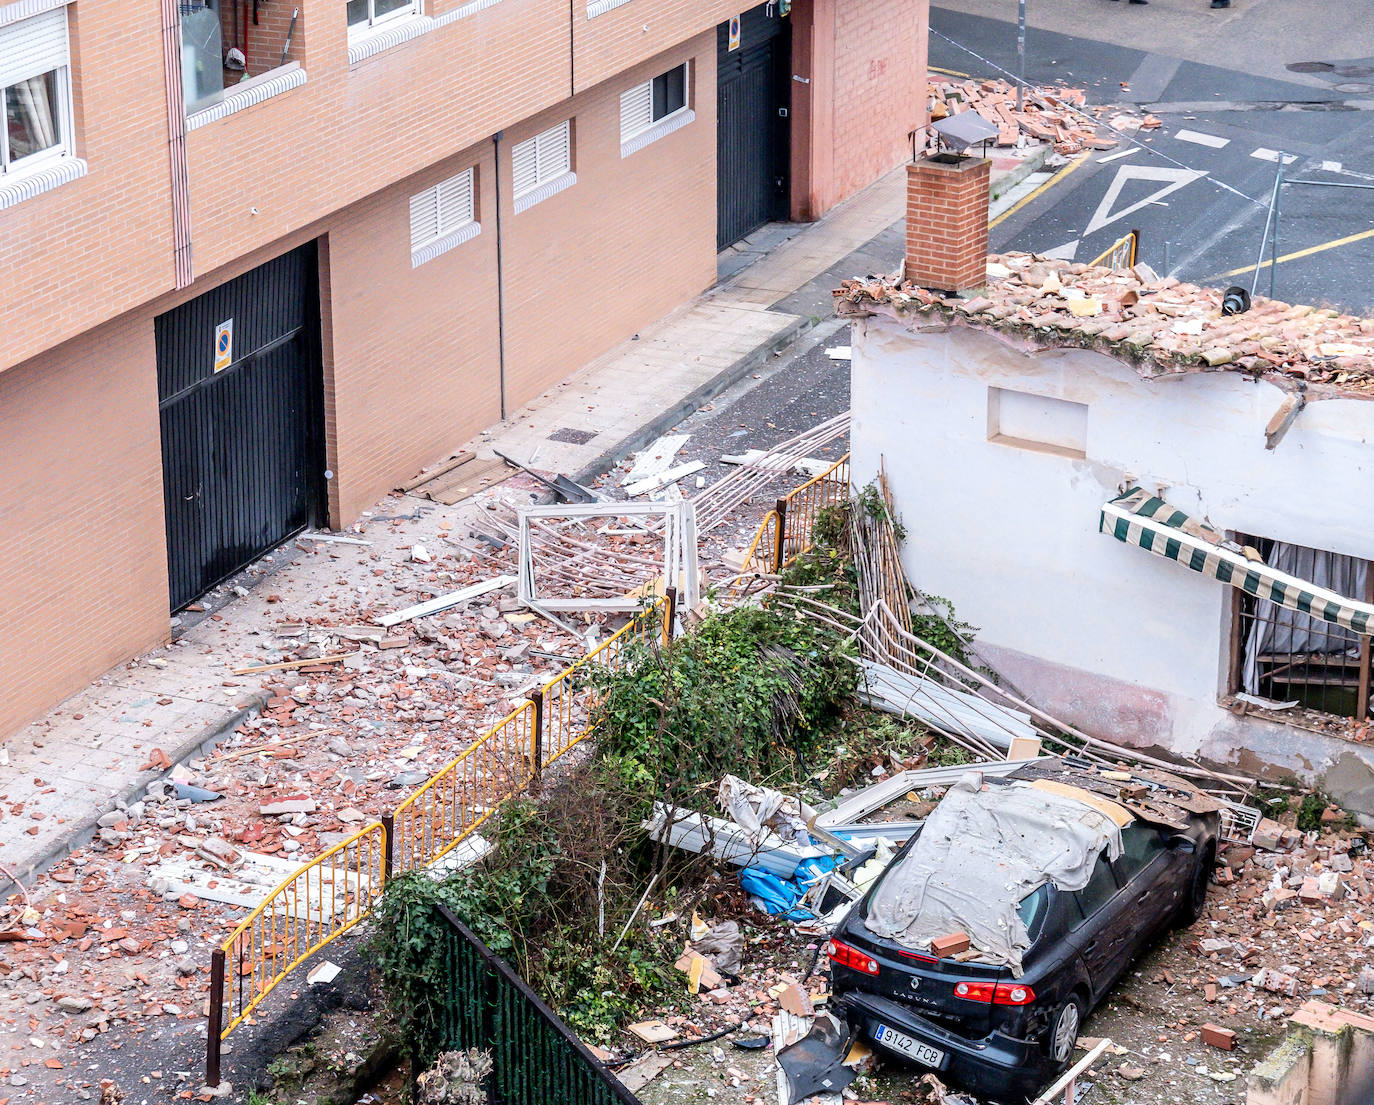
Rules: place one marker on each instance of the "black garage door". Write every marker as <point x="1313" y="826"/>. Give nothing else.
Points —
<point x="240" y="396"/>
<point x="753" y="92"/>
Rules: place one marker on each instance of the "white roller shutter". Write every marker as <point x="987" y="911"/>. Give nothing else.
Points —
<point x="33" y="46"/>
<point x="636" y="110"/>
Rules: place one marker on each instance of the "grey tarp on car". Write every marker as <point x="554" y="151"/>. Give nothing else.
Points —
<point x="980" y="853"/>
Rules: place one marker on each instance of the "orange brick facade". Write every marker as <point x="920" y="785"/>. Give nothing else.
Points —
<point x="862" y="93"/>
<point x="416" y="358"/>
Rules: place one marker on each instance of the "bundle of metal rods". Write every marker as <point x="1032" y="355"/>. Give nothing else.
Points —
<point x="739" y="486"/>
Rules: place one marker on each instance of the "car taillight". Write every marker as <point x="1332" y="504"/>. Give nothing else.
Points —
<point x="1001" y="993"/>
<point x="852" y="958"/>
<point x="919" y="956"/>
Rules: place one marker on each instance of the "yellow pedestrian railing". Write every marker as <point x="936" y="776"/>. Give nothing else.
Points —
<point x="1121" y="253"/>
<point x="785" y="532"/>
<point x="565" y="701"/>
<point x="441" y="814"/>
<point x="317" y="904"/>
<point x="334" y="891"/>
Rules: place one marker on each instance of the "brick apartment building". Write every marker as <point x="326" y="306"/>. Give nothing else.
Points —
<point x="264" y="259"/>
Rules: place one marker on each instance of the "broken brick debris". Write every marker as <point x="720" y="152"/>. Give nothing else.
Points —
<point x="1160" y="326"/>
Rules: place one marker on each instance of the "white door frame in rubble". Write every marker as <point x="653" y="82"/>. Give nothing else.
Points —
<point x="679" y="553"/>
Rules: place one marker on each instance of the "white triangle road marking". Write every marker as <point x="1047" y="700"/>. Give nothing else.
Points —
<point x="1173" y="180"/>
<point x="1062" y="253"/>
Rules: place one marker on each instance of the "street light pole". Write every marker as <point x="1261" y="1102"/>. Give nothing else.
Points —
<point x="1020" y="54"/>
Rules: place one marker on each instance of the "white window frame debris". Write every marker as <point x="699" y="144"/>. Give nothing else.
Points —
<point x="680" y="570"/>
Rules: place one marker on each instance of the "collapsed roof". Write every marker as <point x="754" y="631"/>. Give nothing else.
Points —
<point x="1160" y="326"/>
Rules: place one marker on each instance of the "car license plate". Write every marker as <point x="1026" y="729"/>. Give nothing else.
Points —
<point x="913" y="1049"/>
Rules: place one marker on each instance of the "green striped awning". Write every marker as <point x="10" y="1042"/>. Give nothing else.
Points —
<point x="1139" y="518"/>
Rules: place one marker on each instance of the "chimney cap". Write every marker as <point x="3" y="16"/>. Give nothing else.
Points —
<point x="961" y="131"/>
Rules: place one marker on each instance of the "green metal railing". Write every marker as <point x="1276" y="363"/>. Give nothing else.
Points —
<point x="536" y="1058"/>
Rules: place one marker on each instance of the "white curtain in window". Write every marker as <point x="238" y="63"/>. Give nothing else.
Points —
<point x="37" y="116"/>
<point x="1285" y="631"/>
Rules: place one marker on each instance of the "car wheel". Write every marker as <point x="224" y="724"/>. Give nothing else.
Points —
<point x="1063" y="1033"/>
<point x="1196" y="902"/>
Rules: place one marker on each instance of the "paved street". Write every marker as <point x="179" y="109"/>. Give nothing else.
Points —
<point x="1198" y="187"/>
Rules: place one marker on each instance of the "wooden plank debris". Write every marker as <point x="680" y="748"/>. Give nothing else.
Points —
<point x="284" y="665"/>
<point x="443" y="602"/>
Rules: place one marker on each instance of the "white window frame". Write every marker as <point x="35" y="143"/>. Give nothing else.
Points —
<point x="638" y="127"/>
<point x="376" y="25"/>
<point x="62" y="110"/>
<point x="453" y="203"/>
<point x="550" y="154"/>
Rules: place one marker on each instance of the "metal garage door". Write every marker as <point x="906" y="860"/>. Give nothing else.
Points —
<point x="240" y="396"/>
<point x="752" y="150"/>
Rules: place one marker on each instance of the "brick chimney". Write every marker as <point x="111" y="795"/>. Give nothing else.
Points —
<point x="947" y="222"/>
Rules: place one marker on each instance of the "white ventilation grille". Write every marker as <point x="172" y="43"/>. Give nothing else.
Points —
<point x="443" y="216"/>
<point x="542" y="165"/>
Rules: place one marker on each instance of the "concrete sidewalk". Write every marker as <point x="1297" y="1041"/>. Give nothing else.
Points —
<point x="106" y="743"/>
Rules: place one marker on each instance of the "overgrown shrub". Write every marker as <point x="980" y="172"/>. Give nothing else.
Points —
<point x="750" y="692"/>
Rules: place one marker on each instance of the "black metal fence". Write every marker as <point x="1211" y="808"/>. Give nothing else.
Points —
<point x="536" y="1058"/>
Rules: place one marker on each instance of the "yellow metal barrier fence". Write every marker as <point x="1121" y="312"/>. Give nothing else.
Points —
<point x="337" y="889"/>
<point x="319" y="903"/>
<point x="459" y="797"/>
<point x="1121" y="253"/>
<point x="564" y="709"/>
<point x="785" y="532"/>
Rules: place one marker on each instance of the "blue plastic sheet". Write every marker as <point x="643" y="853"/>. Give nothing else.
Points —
<point x="780" y="897"/>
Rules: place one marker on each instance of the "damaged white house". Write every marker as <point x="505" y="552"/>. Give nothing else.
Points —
<point x="1160" y="517"/>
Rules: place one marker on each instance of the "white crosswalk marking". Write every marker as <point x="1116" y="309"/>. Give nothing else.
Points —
<point x="1273" y="155"/>
<point x="1196" y="136"/>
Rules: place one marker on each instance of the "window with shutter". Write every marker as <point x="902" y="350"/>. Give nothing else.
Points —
<point x="443" y="217"/>
<point x="656" y="108"/>
<point x="542" y="165"/>
<point x="35" y="84"/>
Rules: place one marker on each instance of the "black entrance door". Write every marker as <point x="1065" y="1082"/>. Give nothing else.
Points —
<point x="241" y="446"/>
<point x="753" y="92"/>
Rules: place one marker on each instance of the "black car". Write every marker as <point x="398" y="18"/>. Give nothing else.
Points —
<point x="1005" y="1035"/>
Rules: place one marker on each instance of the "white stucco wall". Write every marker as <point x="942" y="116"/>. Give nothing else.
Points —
<point x="1128" y="643"/>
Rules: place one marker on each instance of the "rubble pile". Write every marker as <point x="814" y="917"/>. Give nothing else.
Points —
<point x="355" y="716"/>
<point x="1048" y="115"/>
<point x="1162" y="326"/>
<point x="1292" y="918"/>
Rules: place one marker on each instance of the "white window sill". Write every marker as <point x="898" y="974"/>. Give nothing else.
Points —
<point x="664" y="127"/>
<point x="444" y="243"/>
<point x="247" y="93"/>
<point x="601" y="7"/>
<point x="472" y="7"/>
<point x="23" y="184"/>
<point x="364" y="44"/>
<point x="544" y="191"/>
